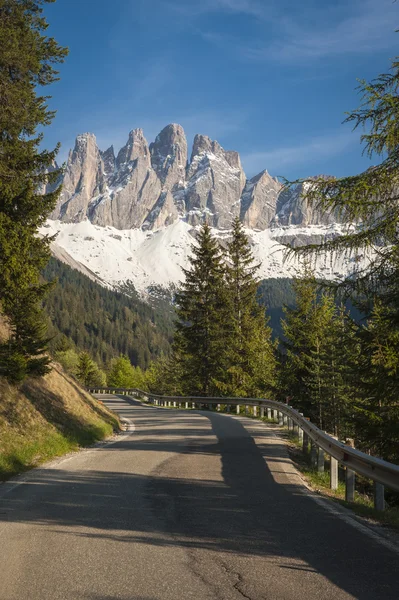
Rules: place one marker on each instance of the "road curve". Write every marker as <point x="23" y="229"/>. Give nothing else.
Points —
<point x="189" y="505"/>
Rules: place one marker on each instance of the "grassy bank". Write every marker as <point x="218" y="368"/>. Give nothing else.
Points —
<point x="45" y="418"/>
<point x="320" y="483"/>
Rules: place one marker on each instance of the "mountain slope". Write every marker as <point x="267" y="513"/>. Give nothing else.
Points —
<point x="104" y="322"/>
<point x="156" y="258"/>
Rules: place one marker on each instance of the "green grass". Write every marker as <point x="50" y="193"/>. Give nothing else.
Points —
<point x="320" y="482"/>
<point x="46" y="418"/>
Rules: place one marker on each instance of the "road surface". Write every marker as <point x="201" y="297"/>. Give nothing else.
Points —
<point x="189" y="505"/>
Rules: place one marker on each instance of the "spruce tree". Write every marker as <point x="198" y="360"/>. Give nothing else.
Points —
<point x="27" y="57"/>
<point x="376" y="414"/>
<point x="298" y="326"/>
<point x="87" y="371"/>
<point x="321" y="351"/>
<point x="251" y="362"/>
<point x="200" y="339"/>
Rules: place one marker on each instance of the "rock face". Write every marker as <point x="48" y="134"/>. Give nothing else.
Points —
<point x="215" y="181"/>
<point x="169" y="157"/>
<point x="151" y="187"/>
<point x="84" y="179"/>
<point x="132" y="191"/>
<point x="259" y="201"/>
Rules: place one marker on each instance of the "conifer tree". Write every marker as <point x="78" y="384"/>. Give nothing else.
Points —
<point x="27" y="57"/>
<point x="250" y="351"/>
<point x="321" y="350"/>
<point x="164" y="376"/>
<point x="88" y="372"/>
<point x="200" y="339"/>
<point x="298" y="343"/>
<point x="368" y="202"/>
<point x="376" y="414"/>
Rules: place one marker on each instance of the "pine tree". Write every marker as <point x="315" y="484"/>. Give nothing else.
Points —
<point x="321" y="353"/>
<point x="27" y="57"/>
<point x="199" y="345"/>
<point x="164" y="377"/>
<point x="368" y="202"/>
<point x="250" y="351"/>
<point x="87" y="371"/>
<point x="298" y="326"/>
<point x="377" y="409"/>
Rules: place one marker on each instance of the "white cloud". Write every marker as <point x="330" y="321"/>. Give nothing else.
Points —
<point x="277" y="159"/>
<point x="370" y="28"/>
<point x="360" y="28"/>
<point x="195" y="9"/>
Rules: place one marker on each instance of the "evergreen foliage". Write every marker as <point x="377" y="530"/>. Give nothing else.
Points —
<point x="86" y="316"/>
<point x="222" y="344"/>
<point x="376" y="414"/>
<point x="369" y="203"/>
<point x="369" y="200"/>
<point x="27" y="57"/>
<point x="202" y="310"/>
<point x="319" y="350"/>
<point x="87" y="371"/>
<point x="249" y="351"/>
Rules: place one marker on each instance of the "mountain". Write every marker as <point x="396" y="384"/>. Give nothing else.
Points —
<point x="132" y="216"/>
<point x="152" y="186"/>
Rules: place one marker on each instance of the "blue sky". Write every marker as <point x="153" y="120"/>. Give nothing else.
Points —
<point x="271" y="79"/>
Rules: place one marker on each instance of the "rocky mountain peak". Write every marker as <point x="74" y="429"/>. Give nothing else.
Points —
<point x="169" y="156"/>
<point x="259" y="201"/>
<point x="204" y="145"/>
<point x="136" y="148"/>
<point x="151" y="187"/>
<point x="109" y="161"/>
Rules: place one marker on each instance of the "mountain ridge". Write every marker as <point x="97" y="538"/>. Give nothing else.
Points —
<point x="150" y="186"/>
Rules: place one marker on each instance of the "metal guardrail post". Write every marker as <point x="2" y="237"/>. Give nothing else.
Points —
<point x="238" y="409"/>
<point x="255" y="411"/>
<point x="262" y="412"/>
<point x="320" y="461"/>
<point x="379" y="496"/>
<point x="333" y="473"/>
<point x="300" y="435"/>
<point x="313" y="454"/>
<point x="349" y="485"/>
<point x="305" y="443"/>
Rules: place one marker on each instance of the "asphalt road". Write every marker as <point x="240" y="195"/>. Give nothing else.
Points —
<point x="189" y="505"/>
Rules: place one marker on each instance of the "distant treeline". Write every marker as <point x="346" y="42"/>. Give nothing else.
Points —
<point x="86" y="316"/>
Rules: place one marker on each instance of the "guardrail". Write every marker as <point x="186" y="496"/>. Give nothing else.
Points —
<point x="380" y="471"/>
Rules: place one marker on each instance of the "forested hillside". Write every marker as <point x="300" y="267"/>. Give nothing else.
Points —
<point x="275" y="294"/>
<point x="105" y="323"/>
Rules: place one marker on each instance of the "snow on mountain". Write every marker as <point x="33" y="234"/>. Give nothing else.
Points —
<point x="132" y="216"/>
<point x="148" y="258"/>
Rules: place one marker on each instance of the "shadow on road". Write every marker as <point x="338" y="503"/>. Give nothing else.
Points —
<point x="247" y="513"/>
